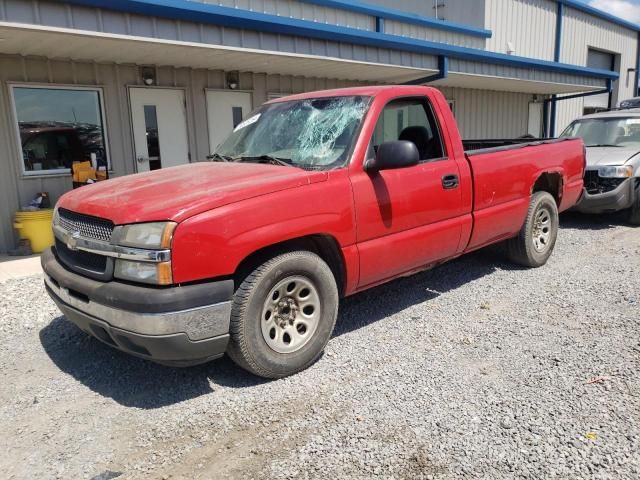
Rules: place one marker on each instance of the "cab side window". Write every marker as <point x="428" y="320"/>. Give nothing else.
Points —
<point x="410" y="119"/>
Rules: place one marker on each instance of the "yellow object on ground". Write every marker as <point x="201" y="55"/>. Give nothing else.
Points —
<point x="36" y="227"/>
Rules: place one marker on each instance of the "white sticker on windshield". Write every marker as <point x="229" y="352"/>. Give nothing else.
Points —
<point x="247" y="122"/>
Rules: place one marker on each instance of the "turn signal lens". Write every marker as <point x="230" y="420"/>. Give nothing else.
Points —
<point x="165" y="277"/>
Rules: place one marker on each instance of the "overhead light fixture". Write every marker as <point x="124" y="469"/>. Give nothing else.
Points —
<point x="148" y="76"/>
<point x="232" y="80"/>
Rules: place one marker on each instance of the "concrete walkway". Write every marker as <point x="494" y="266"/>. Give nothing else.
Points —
<point x="19" y="267"/>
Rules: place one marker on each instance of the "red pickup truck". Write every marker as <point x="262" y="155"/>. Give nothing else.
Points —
<point x="312" y="198"/>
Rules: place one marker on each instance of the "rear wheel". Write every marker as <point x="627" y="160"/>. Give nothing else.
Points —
<point x="537" y="238"/>
<point x="283" y="315"/>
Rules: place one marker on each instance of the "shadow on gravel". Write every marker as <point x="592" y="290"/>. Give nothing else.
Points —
<point x="132" y="381"/>
<point x="372" y="305"/>
<point x="581" y="221"/>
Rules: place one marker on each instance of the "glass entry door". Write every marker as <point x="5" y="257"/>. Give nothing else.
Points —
<point x="159" y="127"/>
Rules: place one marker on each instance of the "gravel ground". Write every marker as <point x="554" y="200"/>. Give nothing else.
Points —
<point x="475" y="369"/>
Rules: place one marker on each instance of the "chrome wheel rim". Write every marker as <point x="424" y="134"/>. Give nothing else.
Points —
<point x="542" y="230"/>
<point x="291" y="314"/>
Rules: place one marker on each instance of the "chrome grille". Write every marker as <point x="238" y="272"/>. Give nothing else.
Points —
<point x="89" y="227"/>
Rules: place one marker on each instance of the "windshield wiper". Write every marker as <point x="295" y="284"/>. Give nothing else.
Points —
<point x="265" y="159"/>
<point x="604" y="145"/>
<point x="216" y="157"/>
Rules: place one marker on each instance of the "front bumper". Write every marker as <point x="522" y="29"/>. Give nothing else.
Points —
<point x="182" y="325"/>
<point x="617" y="199"/>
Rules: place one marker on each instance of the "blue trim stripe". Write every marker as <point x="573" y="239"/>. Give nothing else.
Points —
<point x="393" y="14"/>
<point x="559" y="23"/>
<point x="556" y="57"/>
<point x="584" y="7"/>
<point x="245" y="19"/>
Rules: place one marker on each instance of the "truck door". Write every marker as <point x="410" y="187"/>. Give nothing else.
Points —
<point x="407" y="218"/>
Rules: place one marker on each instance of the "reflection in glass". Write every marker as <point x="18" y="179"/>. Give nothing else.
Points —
<point x="237" y="116"/>
<point x="153" y="136"/>
<point x="58" y="127"/>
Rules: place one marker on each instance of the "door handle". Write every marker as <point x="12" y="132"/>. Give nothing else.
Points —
<point x="142" y="159"/>
<point x="450" y="181"/>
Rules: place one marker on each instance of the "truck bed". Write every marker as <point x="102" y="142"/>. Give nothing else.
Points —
<point x="504" y="172"/>
<point x="474" y="147"/>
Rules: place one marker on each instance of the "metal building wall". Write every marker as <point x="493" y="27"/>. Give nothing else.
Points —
<point x="58" y="14"/>
<point x="460" y="11"/>
<point x="489" y="114"/>
<point x="582" y="31"/>
<point x="302" y="10"/>
<point x="17" y="189"/>
<point x="393" y="27"/>
<point x="530" y="25"/>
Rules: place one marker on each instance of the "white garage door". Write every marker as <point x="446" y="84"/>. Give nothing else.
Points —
<point x="603" y="61"/>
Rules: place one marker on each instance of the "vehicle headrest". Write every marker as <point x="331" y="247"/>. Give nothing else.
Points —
<point x="420" y="137"/>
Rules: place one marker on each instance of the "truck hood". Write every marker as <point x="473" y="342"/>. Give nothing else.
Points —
<point x="178" y="193"/>
<point x="610" y="155"/>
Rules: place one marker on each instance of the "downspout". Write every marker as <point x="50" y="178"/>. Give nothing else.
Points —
<point x="443" y="66"/>
<point x="556" y="58"/>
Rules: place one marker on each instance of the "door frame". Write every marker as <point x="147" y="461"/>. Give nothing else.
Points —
<point x="130" y="108"/>
<point x="222" y="90"/>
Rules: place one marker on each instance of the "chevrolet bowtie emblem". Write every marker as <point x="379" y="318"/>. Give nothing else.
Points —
<point x="72" y="240"/>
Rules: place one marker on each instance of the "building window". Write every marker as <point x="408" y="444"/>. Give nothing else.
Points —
<point x="452" y="106"/>
<point x="58" y="126"/>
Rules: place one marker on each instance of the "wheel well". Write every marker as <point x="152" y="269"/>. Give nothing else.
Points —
<point x="325" y="246"/>
<point x="549" y="182"/>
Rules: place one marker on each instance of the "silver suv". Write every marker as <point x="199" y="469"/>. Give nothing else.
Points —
<point x="612" y="178"/>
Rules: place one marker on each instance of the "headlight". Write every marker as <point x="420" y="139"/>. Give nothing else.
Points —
<point x="146" y="236"/>
<point x="608" y="171"/>
<point x="156" y="235"/>
<point x="144" y="272"/>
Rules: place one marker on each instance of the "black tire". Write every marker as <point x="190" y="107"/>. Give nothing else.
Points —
<point x="523" y="249"/>
<point x="248" y="346"/>
<point x="634" y="211"/>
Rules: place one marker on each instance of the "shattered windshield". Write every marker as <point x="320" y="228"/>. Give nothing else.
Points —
<point x="315" y="133"/>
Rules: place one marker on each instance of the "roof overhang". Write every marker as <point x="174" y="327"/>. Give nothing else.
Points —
<point x="79" y="45"/>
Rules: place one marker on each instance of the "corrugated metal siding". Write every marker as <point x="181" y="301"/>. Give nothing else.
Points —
<point x="303" y="11"/>
<point x="530" y="25"/>
<point x="17" y="189"/>
<point x="567" y="111"/>
<point x="92" y="19"/>
<point x="460" y="11"/>
<point x="393" y="27"/>
<point x="581" y="32"/>
<point x="487" y="114"/>
<point x="493" y="70"/>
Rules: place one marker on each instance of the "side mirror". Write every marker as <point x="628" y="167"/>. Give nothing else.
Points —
<point x="390" y="155"/>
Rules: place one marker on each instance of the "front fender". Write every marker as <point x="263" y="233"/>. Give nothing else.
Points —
<point x="214" y="243"/>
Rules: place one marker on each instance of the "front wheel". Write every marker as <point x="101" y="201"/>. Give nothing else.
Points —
<point x="537" y="238"/>
<point x="283" y="315"/>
